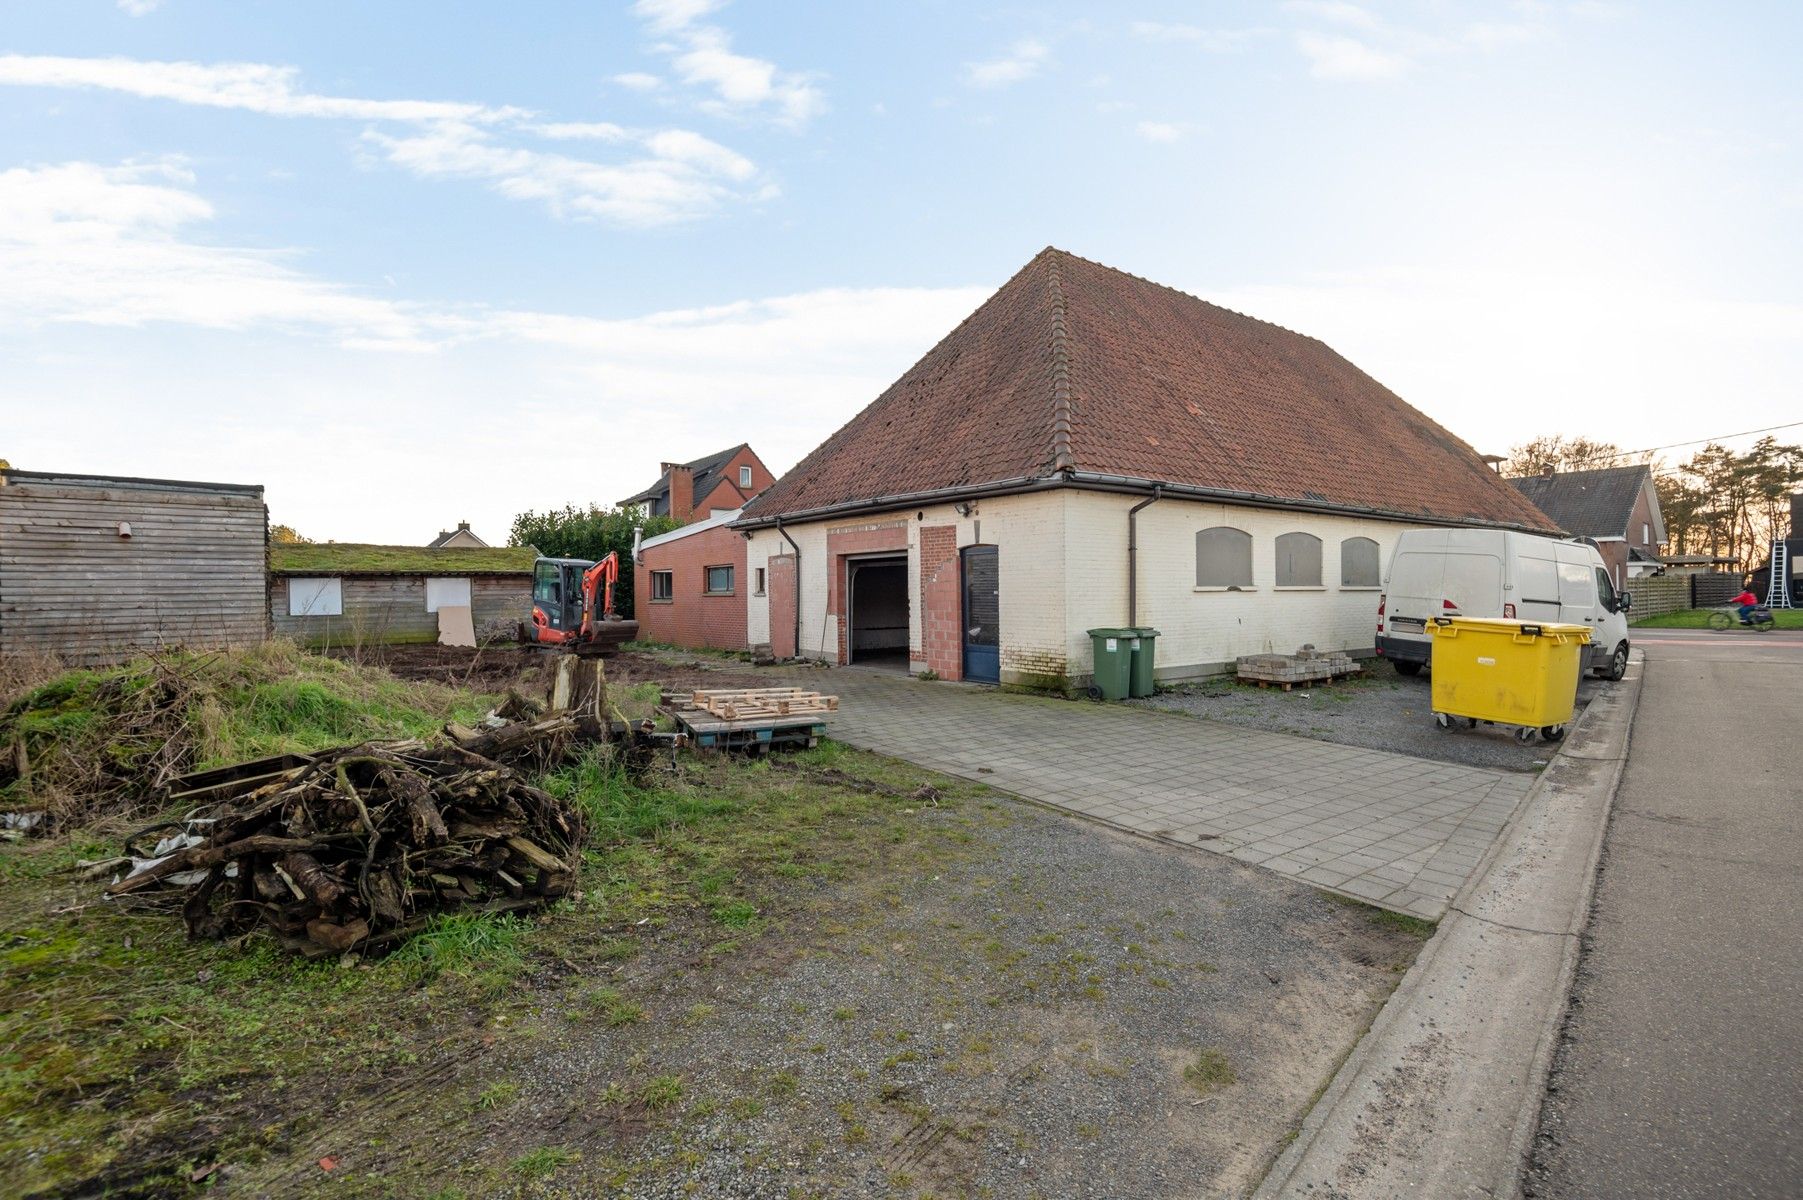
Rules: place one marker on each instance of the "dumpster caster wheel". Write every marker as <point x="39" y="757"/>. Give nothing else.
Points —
<point x="1525" y="734"/>
<point x="1553" y="733"/>
<point x="1442" y="720"/>
<point x="1094" y="693"/>
<point x="1471" y="722"/>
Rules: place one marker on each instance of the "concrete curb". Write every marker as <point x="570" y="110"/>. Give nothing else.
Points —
<point x="1441" y="1097"/>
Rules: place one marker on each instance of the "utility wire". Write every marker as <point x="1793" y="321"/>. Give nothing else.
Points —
<point x="1721" y="437"/>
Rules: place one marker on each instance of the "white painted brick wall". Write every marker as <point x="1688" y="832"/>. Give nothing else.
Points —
<point x="1199" y="629"/>
<point x="1029" y="530"/>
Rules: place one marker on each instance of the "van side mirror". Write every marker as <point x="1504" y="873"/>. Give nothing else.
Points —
<point x="1625" y="602"/>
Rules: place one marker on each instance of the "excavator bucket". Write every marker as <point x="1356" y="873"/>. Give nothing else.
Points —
<point x="607" y="636"/>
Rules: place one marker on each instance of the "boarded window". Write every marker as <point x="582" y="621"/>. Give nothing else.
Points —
<point x="1224" y="557"/>
<point x="447" y="593"/>
<point x="315" y="597"/>
<point x="1298" y="560"/>
<point x="1358" y="562"/>
<point x="719" y="581"/>
<point x="662" y="585"/>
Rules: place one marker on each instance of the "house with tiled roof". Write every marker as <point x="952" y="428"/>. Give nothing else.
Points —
<point x="1616" y="508"/>
<point x="695" y="491"/>
<point x="1091" y="449"/>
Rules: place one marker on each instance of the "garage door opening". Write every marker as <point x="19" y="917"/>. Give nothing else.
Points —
<point x="877" y="625"/>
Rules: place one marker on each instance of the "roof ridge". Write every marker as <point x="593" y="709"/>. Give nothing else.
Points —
<point x="1062" y="458"/>
<point x="1166" y="287"/>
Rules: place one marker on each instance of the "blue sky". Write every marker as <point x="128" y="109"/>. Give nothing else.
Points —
<point x="412" y="263"/>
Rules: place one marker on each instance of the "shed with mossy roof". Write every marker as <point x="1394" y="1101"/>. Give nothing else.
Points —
<point x="348" y="594"/>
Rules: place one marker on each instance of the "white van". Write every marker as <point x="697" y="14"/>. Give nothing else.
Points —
<point x="1498" y="573"/>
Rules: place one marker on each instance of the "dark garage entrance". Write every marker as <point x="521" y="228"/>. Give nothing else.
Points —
<point x="877" y="625"/>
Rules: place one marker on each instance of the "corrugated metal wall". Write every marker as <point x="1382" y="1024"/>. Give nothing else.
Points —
<point x="191" y="573"/>
<point x="391" y="610"/>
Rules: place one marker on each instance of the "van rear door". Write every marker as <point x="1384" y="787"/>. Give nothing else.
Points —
<point x="1417" y="581"/>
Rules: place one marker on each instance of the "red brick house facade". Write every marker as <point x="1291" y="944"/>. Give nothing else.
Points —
<point x="694" y="491"/>
<point x="691" y="586"/>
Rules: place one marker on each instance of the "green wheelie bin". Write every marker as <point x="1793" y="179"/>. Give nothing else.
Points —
<point x="1114" y="662"/>
<point x="1142" y="681"/>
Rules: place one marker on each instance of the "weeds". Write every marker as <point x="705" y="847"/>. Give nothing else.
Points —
<point x="1210" y="1072"/>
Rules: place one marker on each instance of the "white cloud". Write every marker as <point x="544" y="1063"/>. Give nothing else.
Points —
<point x="1336" y="12"/>
<point x="1216" y="41"/>
<point x="664" y="175"/>
<point x="102" y="245"/>
<point x="669" y="16"/>
<point x="638" y="81"/>
<point x="576" y="131"/>
<point x="683" y="176"/>
<point x="1025" y="59"/>
<point x="89" y="253"/>
<point x="1331" y="56"/>
<point x="702" y="57"/>
<point x="139" y="8"/>
<point x="255" y="87"/>
<point x="1159" y="131"/>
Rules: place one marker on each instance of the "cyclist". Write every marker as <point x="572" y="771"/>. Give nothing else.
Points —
<point x="1746" y="602"/>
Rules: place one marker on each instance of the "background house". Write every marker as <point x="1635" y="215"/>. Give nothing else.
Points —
<point x="459" y="538"/>
<point x="1615" y="507"/>
<point x="345" y="594"/>
<point x="692" y="586"/>
<point x="696" y="491"/>
<point x="97" y="567"/>
<point x="1092" y="449"/>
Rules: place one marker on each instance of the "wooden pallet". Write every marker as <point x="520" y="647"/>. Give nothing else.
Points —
<point x="741" y="704"/>
<point x="757" y="735"/>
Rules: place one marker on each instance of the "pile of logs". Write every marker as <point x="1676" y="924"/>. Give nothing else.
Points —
<point x="358" y="847"/>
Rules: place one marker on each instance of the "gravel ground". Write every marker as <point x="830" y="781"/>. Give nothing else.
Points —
<point x="1010" y="1015"/>
<point x="1379" y="710"/>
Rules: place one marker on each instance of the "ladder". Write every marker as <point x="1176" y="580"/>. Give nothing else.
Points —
<point x="1777" y="592"/>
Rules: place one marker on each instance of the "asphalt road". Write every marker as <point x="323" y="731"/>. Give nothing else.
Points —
<point x="1682" y="1070"/>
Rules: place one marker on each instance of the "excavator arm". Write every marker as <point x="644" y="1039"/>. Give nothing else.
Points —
<point x="598" y="592"/>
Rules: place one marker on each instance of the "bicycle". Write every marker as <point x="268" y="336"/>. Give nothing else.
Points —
<point x="1760" y="620"/>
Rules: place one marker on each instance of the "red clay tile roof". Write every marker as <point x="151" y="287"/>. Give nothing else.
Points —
<point x="1075" y="368"/>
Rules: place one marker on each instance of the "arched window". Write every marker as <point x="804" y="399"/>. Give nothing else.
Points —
<point x="1358" y="562"/>
<point x="1224" y="557"/>
<point x="1298" y="560"/>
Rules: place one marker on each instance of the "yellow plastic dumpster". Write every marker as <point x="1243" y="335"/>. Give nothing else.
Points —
<point x="1522" y="673"/>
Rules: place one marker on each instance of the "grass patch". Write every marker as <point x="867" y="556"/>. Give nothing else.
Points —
<point x="544" y="1162"/>
<point x="1698" y="618"/>
<point x="1210" y="1073"/>
<point x="111" y="1021"/>
<point x="98" y="740"/>
<point x="1416" y="927"/>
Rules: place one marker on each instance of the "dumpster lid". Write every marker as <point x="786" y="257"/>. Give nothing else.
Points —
<point x="1114" y="633"/>
<point x="1505" y="625"/>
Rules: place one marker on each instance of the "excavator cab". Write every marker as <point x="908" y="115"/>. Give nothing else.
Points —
<point x="557" y="598"/>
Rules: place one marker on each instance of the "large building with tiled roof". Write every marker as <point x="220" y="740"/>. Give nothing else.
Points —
<point x="1091" y="449"/>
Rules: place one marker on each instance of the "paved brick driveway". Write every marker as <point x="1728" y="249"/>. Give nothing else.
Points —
<point x="1396" y="831"/>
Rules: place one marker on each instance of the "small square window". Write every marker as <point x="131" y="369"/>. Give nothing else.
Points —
<point x="719" y="581"/>
<point x="663" y="584"/>
<point x="744" y="477"/>
<point x="315" y="597"/>
<point x="757" y="581"/>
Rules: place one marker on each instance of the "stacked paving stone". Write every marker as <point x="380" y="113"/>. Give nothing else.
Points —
<point x="1307" y="665"/>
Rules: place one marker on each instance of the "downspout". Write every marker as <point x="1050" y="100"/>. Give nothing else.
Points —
<point x="1133" y="553"/>
<point x="797" y="549"/>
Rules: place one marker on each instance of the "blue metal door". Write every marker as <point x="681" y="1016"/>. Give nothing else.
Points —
<point x="982" y="615"/>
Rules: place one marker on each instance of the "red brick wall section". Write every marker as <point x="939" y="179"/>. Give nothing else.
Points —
<point x="691" y="617"/>
<point x="782" y="605"/>
<point x="941" y="601"/>
<point x="851" y="540"/>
